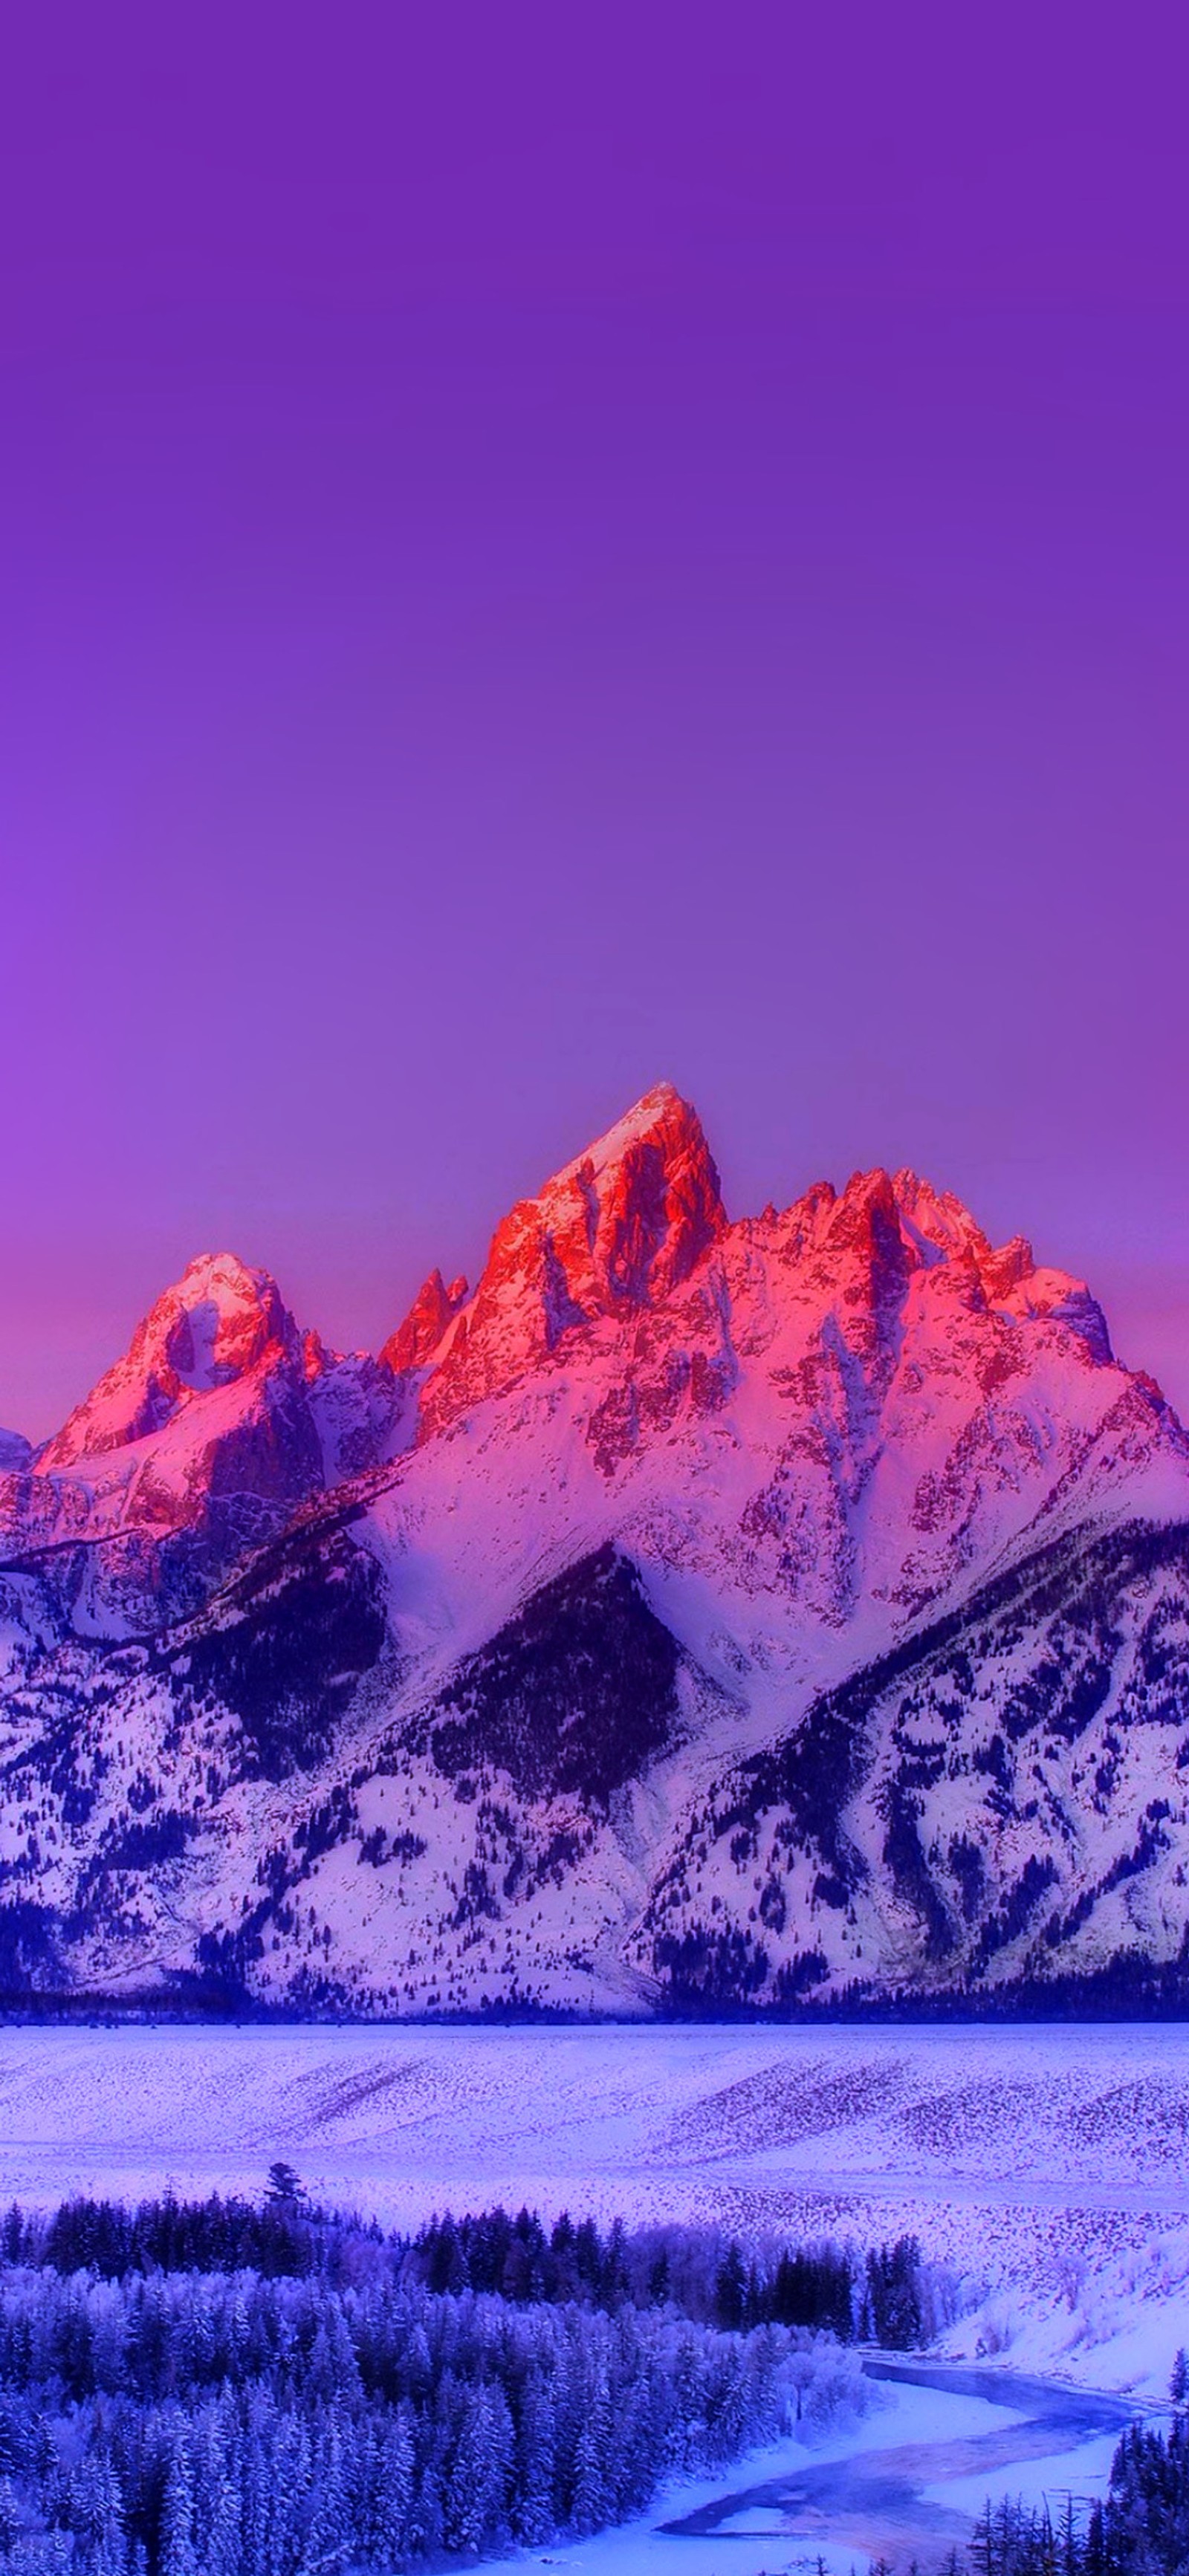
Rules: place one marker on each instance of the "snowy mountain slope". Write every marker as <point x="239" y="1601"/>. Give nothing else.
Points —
<point x="594" y="1644"/>
<point x="1003" y="1796"/>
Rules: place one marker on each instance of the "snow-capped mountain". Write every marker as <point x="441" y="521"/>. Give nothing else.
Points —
<point x="696" y="1611"/>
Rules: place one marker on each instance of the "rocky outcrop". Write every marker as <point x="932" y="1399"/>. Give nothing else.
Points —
<point x="415" y="1342"/>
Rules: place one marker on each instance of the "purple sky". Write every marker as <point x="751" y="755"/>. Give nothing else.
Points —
<point x="543" y="549"/>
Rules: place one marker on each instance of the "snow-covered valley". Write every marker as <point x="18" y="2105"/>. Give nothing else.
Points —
<point x="1043" y="2169"/>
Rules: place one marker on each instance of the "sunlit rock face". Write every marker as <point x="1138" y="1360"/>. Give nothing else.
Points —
<point x="220" y="1325"/>
<point x="416" y="1340"/>
<point x="611" y="1238"/>
<point x="737" y="1610"/>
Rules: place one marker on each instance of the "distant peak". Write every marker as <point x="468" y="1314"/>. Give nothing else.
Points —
<point x="219" y="1321"/>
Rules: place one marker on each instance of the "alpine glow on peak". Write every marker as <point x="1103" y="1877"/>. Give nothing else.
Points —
<point x="672" y="1521"/>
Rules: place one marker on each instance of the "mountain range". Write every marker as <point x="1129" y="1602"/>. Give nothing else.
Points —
<point x="784" y="1613"/>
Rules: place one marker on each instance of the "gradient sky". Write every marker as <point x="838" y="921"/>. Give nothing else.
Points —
<point x="542" y="549"/>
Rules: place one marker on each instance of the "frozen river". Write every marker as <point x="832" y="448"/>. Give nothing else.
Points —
<point x="1048" y="2168"/>
<point x="912" y="2489"/>
<point x="905" y="2484"/>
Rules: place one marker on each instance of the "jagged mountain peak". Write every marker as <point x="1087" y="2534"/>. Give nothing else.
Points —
<point x="614" y="1231"/>
<point x="930" y="1225"/>
<point x="620" y="1235"/>
<point x="867" y="1241"/>
<point x="939" y="1217"/>
<point x="230" y="1316"/>
<point x="433" y="1309"/>
<point x="646" y="1197"/>
<point x="659" y="1117"/>
<point x="219" y="1322"/>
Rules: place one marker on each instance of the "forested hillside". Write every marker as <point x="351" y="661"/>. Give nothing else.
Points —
<point x="218" y="2390"/>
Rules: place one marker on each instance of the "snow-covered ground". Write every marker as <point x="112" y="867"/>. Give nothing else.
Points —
<point x="1044" y="2170"/>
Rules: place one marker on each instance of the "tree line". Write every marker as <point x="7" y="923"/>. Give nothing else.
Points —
<point x="878" y="2298"/>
